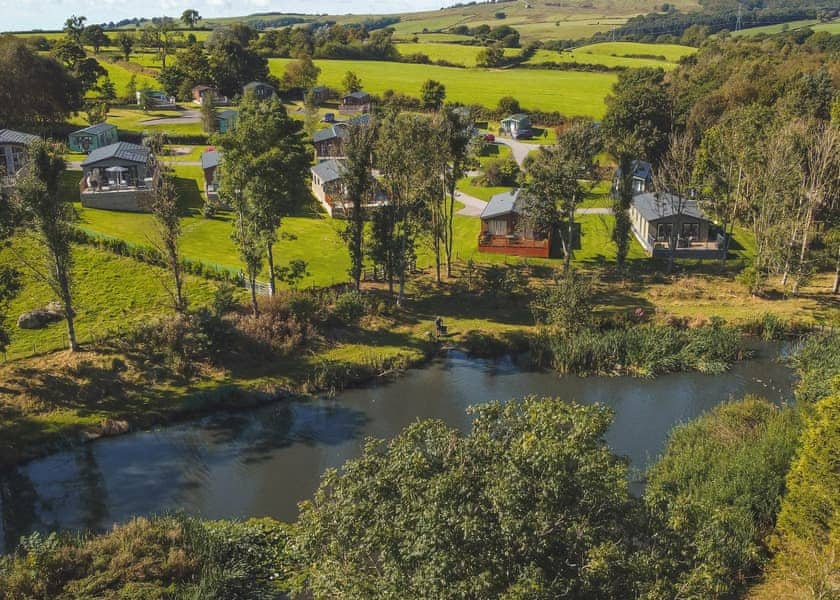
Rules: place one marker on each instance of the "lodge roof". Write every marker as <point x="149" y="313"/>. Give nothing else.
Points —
<point x="121" y="150"/>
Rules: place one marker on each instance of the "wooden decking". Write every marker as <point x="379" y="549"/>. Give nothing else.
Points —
<point x="514" y="245"/>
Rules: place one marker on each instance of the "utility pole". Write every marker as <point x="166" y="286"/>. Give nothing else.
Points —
<point x="738" y="19"/>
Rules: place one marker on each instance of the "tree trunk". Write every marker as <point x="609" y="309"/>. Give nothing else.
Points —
<point x="252" y="283"/>
<point x="450" y="226"/>
<point x="67" y="301"/>
<point x="836" y="285"/>
<point x="803" y="250"/>
<point x="271" y="278"/>
<point x="436" y="232"/>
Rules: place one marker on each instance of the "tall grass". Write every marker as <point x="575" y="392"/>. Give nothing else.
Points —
<point x="642" y="351"/>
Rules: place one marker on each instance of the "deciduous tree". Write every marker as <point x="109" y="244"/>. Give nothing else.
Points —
<point x="359" y="187"/>
<point x="45" y="215"/>
<point x="166" y="211"/>
<point x="530" y="503"/>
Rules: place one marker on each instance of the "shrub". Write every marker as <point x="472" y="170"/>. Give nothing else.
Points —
<point x="499" y="172"/>
<point x="151" y="559"/>
<point x="349" y="307"/>
<point x="713" y="497"/>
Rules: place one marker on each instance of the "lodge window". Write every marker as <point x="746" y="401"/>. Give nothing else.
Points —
<point x="497" y="227"/>
<point x="663" y="231"/>
<point x="691" y="230"/>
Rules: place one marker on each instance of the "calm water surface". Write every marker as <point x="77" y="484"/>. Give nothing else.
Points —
<point x="263" y="462"/>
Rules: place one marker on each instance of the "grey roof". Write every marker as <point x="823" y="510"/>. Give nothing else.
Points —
<point x="227" y="115"/>
<point x="9" y="136"/>
<point x="503" y="204"/>
<point x="641" y="170"/>
<point x="358" y="95"/>
<point x="337" y="130"/>
<point x="121" y="150"/>
<point x="96" y="129"/>
<point x="255" y="84"/>
<point x="653" y="209"/>
<point x="518" y="117"/>
<point x="329" y="170"/>
<point x="210" y="158"/>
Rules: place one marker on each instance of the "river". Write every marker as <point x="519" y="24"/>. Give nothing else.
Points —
<point x="263" y="462"/>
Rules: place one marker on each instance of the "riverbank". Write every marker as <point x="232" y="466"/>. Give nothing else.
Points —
<point x="57" y="400"/>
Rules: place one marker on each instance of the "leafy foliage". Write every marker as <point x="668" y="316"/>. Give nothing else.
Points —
<point x="172" y="558"/>
<point x="529" y="503"/>
<point x="713" y="497"/>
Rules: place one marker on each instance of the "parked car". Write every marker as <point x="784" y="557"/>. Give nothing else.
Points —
<point x="488" y="137"/>
<point x="329" y="118"/>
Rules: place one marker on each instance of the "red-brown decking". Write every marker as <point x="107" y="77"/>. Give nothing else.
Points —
<point x="514" y="245"/>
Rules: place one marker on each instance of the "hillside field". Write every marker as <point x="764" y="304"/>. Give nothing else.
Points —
<point x="570" y="92"/>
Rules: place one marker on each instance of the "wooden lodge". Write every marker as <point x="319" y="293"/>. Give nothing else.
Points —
<point x="504" y="232"/>
<point x="660" y="219"/>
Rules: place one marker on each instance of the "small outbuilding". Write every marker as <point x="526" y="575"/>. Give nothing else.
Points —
<point x="118" y="177"/>
<point x="503" y="230"/>
<point x="356" y="102"/>
<point x="13" y="146"/>
<point x="260" y="90"/>
<point x="200" y="92"/>
<point x="517" y="126"/>
<point x="660" y="219"/>
<point x="319" y="94"/>
<point x="225" y="120"/>
<point x="642" y="180"/>
<point x="93" y="137"/>
<point x="210" y="161"/>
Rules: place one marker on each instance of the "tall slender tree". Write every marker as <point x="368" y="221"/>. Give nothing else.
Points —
<point x="265" y="164"/>
<point x="673" y="181"/>
<point x="457" y="130"/>
<point x="49" y="218"/>
<point x="359" y="186"/>
<point x="164" y="207"/>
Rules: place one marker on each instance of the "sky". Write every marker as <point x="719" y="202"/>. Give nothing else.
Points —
<point x="17" y="15"/>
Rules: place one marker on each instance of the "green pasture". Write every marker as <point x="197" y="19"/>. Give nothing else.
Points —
<point x="120" y="75"/>
<point x="671" y="52"/>
<point x="458" y="54"/>
<point x="570" y="92"/>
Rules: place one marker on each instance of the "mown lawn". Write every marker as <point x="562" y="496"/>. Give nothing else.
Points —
<point x="570" y="92"/>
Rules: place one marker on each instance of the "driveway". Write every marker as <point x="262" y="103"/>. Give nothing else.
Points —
<point x="184" y="117"/>
<point x="472" y="205"/>
<point x="519" y="149"/>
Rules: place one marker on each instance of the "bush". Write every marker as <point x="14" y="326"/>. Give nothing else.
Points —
<point x="151" y="559"/>
<point x="349" y="307"/>
<point x="499" y="172"/>
<point x="713" y="497"/>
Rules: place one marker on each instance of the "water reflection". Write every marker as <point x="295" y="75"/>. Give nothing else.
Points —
<point x="265" y="461"/>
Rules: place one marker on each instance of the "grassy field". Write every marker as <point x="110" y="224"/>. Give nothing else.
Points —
<point x="570" y="92"/>
<point x="458" y="54"/>
<point x="133" y="121"/>
<point x="109" y="291"/>
<point x="671" y="52"/>
<point x="120" y="76"/>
